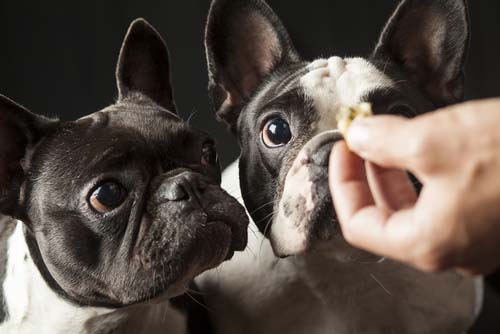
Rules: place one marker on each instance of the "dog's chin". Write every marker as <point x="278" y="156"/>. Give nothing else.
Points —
<point x="322" y="239"/>
<point x="172" y="251"/>
<point x="220" y="244"/>
<point x="226" y="237"/>
<point x="216" y="244"/>
<point x="213" y="255"/>
<point x="304" y="211"/>
<point x="289" y="239"/>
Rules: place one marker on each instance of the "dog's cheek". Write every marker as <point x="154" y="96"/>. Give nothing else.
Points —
<point x="291" y="226"/>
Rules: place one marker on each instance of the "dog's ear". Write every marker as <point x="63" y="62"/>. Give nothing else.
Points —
<point x="245" y="42"/>
<point x="20" y="131"/>
<point x="430" y="40"/>
<point x="144" y="66"/>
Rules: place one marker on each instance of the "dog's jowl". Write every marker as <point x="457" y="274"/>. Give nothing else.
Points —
<point x="282" y="110"/>
<point x="113" y="214"/>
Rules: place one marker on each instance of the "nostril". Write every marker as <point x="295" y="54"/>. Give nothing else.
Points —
<point x="182" y="187"/>
<point x="322" y="156"/>
<point x="318" y="149"/>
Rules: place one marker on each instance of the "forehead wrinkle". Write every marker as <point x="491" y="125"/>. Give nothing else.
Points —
<point x="282" y="101"/>
<point x="110" y="157"/>
<point x="277" y="85"/>
<point x="290" y="81"/>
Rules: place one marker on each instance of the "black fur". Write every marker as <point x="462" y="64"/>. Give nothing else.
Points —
<point x="417" y="30"/>
<point x="151" y="245"/>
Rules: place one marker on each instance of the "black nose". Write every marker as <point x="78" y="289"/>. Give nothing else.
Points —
<point x="182" y="187"/>
<point x="318" y="149"/>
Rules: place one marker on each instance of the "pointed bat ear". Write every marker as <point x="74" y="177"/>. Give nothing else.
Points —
<point x="144" y="66"/>
<point x="20" y="131"/>
<point x="429" y="39"/>
<point x="245" y="42"/>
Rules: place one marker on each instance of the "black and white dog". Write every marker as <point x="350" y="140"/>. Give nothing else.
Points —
<point x="302" y="277"/>
<point x="115" y="213"/>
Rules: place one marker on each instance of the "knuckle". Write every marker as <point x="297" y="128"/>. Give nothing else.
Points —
<point x="434" y="252"/>
<point x="421" y="150"/>
<point x="351" y="235"/>
<point x="432" y="260"/>
<point x="438" y="253"/>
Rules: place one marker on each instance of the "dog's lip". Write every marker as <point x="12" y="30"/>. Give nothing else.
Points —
<point x="238" y="230"/>
<point x="220" y="226"/>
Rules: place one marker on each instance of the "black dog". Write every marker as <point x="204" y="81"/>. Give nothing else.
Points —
<point x="282" y="111"/>
<point x="114" y="213"/>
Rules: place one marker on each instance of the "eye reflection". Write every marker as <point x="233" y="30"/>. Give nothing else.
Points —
<point x="107" y="197"/>
<point x="276" y="133"/>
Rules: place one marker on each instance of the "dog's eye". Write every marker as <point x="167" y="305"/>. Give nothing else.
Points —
<point x="107" y="197"/>
<point x="209" y="155"/>
<point x="276" y="133"/>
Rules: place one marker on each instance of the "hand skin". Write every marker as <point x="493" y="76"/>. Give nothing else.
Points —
<point x="455" y="153"/>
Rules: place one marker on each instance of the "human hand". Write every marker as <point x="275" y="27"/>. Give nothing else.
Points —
<point x="455" y="153"/>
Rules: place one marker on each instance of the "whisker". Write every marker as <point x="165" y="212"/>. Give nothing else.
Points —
<point x="254" y="232"/>
<point x="269" y="217"/>
<point x="199" y="303"/>
<point x="381" y="285"/>
<point x="251" y="251"/>
<point x="262" y="206"/>
<point x="266" y="217"/>
<point x="196" y="292"/>
<point x="193" y="113"/>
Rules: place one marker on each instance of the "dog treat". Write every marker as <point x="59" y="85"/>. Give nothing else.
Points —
<point x="348" y="114"/>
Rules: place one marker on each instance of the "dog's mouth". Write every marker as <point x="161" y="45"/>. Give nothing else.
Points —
<point x="236" y="220"/>
<point x="181" y="240"/>
<point x="305" y="214"/>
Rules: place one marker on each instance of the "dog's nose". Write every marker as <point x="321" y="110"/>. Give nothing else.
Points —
<point x="318" y="149"/>
<point x="182" y="187"/>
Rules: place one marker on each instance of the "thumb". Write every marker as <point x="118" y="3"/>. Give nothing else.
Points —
<point x="384" y="140"/>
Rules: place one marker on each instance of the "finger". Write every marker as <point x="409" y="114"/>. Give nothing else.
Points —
<point x="391" y="188"/>
<point x="388" y="141"/>
<point x="364" y="225"/>
<point x="348" y="182"/>
<point x="389" y="234"/>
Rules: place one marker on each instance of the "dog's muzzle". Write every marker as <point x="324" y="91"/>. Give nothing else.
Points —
<point x="306" y="201"/>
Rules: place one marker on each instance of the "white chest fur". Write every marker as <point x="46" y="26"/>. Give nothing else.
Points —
<point x="33" y="308"/>
<point x="256" y="292"/>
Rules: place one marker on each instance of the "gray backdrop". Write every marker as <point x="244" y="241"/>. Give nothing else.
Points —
<point x="58" y="57"/>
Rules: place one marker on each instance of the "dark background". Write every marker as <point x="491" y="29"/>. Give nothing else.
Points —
<point x="58" y="57"/>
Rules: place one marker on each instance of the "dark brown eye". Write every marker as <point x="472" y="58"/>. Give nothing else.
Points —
<point x="209" y="154"/>
<point x="276" y="133"/>
<point x="107" y="197"/>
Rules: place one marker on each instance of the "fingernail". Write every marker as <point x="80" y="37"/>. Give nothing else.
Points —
<point x="357" y="136"/>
